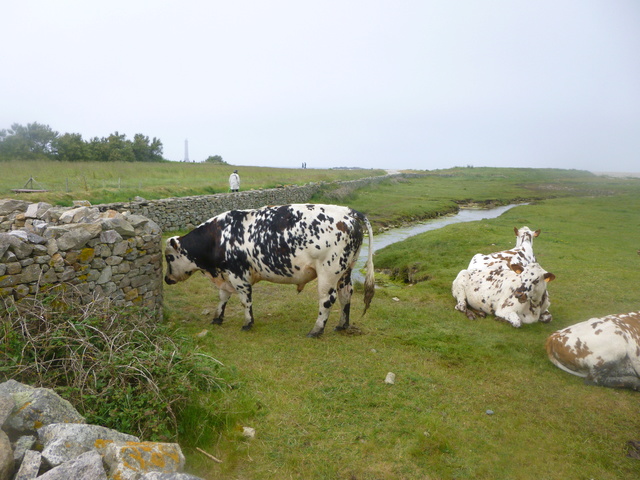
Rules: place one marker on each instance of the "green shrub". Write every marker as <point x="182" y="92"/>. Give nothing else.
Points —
<point x="117" y="366"/>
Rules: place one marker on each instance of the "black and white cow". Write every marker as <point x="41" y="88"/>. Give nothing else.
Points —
<point x="291" y="244"/>
<point x="511" y="292"/>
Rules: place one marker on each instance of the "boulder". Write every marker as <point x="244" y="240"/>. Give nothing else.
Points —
<point x="87" y="466"/>
<point x="63" y="442"/>
<point x="36" y="407"/>
<point x="6" y="457"/>
<point x="127" y="461"/>
<point x="29" y="466"/>
<point x="78" y="235"/>
<point x="9" y="205"/>
<point x="37" y="210"/>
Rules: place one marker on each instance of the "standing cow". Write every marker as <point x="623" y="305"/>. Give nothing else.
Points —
<point x="511" y="292"/>
<point x="291" y="244"/>
<point x="604" y="351"/>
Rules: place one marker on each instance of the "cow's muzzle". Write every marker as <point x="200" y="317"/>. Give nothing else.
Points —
<point x="169" y="281"/>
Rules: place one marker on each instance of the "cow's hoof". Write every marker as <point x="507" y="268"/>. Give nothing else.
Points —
<point x="546" y="318"/>
<point x="341" y="328"/>
<point x="313" y="334"/>
<point x="216" y="321"/>
<point x="246" y="328"/>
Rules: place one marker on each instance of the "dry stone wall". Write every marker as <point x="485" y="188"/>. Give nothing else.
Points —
<point x="187" y="212"/>
<point x="115" y="250"/>
<point x="111" y="254"/>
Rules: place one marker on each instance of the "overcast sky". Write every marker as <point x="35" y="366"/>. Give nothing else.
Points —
<point x="392" y="84"/>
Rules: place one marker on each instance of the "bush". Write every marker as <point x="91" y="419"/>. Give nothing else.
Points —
<point x="116" y="365"/>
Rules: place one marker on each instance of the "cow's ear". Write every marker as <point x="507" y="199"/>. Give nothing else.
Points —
<point x="516" y="267"/>
<point x="536" y="233"/>
<point x="515" y="229"/>
<point x="549" y="277"/>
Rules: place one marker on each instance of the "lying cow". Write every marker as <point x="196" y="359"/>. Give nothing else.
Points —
<point x="511" y="292"/>
<point x="290" y="244"/>
<point x="522" y="253"/>
<point x="605" y="351"/>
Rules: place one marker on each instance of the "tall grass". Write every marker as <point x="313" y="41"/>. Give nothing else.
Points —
<point x="323" y="409"/>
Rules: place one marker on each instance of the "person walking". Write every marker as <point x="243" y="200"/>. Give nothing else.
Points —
<point x="234" y="181"/>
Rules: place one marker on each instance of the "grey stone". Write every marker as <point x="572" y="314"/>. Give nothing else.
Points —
<point x="167" y="476"/>
<point x="110" y="236"/>
<point x="6" y="407"/>
<point x="29" y="466"/>
<point x="36" y="407"/>
<point x="120" y="225"/>
<point x="18" y="245"/>
<point x="87" y="466"/>
<point x="6" y="457"/>
<point x="78" y="235"/>
<point x="30" y="273"/>
<point x="21" y="446"/>
<point x="128" y="461"/>
<point x="64" y="441"/>
<point x="9" y="205"/>
<point x="105" y="276"/>
<point x="37" y="210"/>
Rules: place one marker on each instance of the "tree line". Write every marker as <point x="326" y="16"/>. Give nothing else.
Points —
<point x="36" y="141"/>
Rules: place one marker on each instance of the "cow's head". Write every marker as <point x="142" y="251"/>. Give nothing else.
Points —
<point x="179" y="267"/>
<point x="524" y="234"/>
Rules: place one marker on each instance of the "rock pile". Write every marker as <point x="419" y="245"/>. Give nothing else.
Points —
<point x="44" y="437"/>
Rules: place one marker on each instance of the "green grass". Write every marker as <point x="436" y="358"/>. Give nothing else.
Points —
<point x="321" y="409"/>
<point x="108" y="182"/>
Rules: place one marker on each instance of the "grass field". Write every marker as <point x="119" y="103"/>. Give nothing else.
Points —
<point x="321" y="409"/>
<point x="121" y="181"/>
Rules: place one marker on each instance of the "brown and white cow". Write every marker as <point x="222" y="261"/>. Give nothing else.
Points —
<point x="291" y="244"/>
<point x="511" y="292"/>
<point x="604" y="351"/>
<point x="521" y="254"/>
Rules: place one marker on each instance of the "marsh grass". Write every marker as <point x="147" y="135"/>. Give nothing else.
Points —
<point x="321" y="408"/>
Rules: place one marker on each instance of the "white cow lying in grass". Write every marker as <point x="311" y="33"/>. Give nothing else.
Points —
<point x="604" y="351"/>
<point x="511" y="292"/>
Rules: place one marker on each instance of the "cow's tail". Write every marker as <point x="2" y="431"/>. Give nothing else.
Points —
<point x="369" y="280"/>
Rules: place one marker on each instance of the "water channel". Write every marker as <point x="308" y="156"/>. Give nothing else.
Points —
<point x="398" y="234"/>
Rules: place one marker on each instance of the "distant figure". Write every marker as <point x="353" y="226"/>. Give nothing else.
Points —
<point x="234" y="181"/>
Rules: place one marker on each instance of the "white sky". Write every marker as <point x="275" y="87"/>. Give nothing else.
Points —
<point x="391" y="84"/>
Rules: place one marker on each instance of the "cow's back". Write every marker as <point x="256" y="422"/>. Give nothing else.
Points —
<point x="281" y="243"/>
<point x="597" y="346"/>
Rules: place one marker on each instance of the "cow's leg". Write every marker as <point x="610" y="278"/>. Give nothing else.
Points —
<point x="224" y="298"/>
<point x="327" y="296"/>
<point x="511" y="317"/>
<point x="345" y="291"/>
<point x="546" y="317"/>
<point x="460" y="294"/>
<point x="245" y="293"/>
<point x="624" y="381"/>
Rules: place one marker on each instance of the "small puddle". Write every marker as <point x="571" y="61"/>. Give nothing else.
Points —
<point x="402" y="233"/>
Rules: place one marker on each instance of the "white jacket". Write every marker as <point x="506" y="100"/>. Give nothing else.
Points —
<point x="234" y="181"/>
